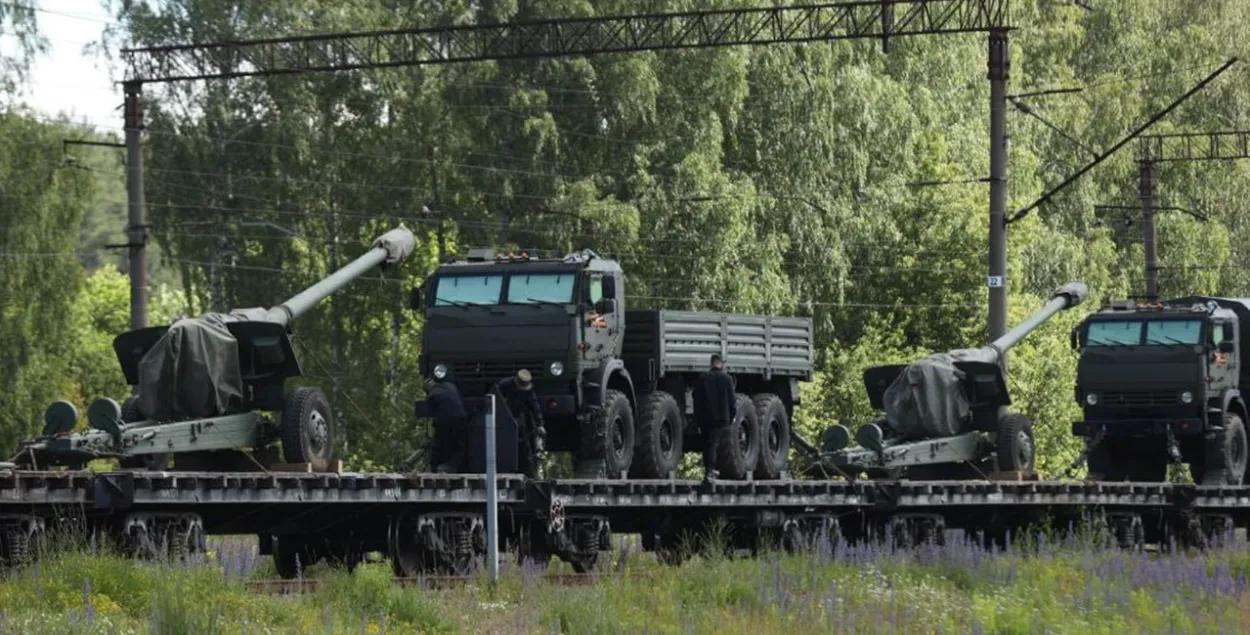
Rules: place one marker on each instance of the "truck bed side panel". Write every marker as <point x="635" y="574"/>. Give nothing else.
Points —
<point x="684" y="341"/>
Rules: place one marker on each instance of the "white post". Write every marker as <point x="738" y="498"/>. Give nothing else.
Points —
<point x="492" y="496"/>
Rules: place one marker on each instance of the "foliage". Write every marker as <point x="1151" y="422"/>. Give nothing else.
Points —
<point x="1059" y="585"/>
<point x="762" y="179"/>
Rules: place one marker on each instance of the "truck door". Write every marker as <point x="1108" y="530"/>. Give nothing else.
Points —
<point x="1222" y="356"/>
<point x="598" y="323"/>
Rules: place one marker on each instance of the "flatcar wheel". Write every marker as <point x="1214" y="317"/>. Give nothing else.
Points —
<point x="290" y="558"/>
<point x="307" y="428"/>
<point x="409" y="558"/>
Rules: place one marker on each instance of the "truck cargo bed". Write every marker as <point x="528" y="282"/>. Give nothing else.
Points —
<point x="684" y="341"/>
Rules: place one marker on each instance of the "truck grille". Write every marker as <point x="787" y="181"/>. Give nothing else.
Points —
<point x="495" y="370"/>
<point x="1141" y="398"/>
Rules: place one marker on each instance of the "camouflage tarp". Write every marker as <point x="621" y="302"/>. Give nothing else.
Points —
<point x="192" y="371"/>
<point x="927" y="400"/>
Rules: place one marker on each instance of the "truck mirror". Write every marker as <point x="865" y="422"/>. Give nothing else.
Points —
<point x="1227" y="346"/>
<point x="1228" y="332"/>
<point x="609" y="288"/>
<point x="1072" y="337"/>
<point x="606" y="306"/>
<point x="414" y="299"/>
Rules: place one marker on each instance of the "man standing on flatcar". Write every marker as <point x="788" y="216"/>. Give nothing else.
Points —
<point x="518" y="395"/>
<point x="451" y="426"/>
<point x="714" y="406"/>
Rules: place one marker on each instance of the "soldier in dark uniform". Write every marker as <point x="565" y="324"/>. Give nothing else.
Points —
<point x="518" y="395"/>
<point x="714" y="407"/>
<point x="451" y="426"/>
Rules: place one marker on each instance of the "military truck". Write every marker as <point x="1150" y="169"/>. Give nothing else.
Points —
<point x="615" y="386"/>
<point x="1160" y="383"/>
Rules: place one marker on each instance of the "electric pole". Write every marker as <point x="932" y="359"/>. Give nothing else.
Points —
<point x="999" y="74"/>
<point x="1228" y="145"/>
<point x="137" y="232"/>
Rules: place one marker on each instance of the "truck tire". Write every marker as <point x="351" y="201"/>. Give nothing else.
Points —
<point x="616" y="421"/>
<point x="1235" y="449"/>
<point x="774" y="426"/>
<point x="1017" y="449"/>
<point x="307" y="429"/>
<point x="740" y="442"/>
<point x="659" y="434"/>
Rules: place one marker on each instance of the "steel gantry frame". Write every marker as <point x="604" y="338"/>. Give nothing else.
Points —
<point x="332" y="52"/>
<point x="1226" y="145"/>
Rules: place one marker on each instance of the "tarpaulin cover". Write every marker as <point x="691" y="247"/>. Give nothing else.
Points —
<point x="927" y="400"/>
<point x="192" y="371"/>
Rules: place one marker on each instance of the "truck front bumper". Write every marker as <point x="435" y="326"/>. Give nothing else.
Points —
<point x="1139" y="427"/>
<point x="554" y="404"/>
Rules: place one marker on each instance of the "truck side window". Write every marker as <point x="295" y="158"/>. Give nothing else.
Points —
<point x="596" y="289"/>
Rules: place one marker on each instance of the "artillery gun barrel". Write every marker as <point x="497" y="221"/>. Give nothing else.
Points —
<point x="1065" y="297"/>
<point x="391" y="248"/>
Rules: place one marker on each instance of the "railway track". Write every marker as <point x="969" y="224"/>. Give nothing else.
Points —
<point x="311" y="585"/>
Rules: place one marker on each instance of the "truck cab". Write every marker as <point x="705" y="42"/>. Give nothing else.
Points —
<point x="492" y="314"/>
<point x="1161" y="383"/>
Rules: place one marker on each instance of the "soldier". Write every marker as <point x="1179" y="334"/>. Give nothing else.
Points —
<point x="518" y="395"/>
<point x="714" y="406"/>
<point x="451" y="425"/>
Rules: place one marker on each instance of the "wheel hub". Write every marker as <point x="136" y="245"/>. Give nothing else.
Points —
<point x="618" y="438"/>
<point x="1024" y="449"/>
<point x="318" y="431"/>
<point x="666" y="436"/>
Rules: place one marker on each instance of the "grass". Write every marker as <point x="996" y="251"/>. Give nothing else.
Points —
<point x="1050" y="588"/>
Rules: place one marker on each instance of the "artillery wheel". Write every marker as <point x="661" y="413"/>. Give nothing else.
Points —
<point x="774" y="427"/>
<point x="307" y="430"/>
<point x="659" y="435"/>
<point x="740" y="442"/>
<point x="1017" y="449"/>
<point x="1234" y="446"/>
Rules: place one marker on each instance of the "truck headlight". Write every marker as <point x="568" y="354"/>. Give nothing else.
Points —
<point x="1187" y="397"/>
<point x="1092" y="399"/>
<point x="556" y="368"/>
<point x="440" y="371"/>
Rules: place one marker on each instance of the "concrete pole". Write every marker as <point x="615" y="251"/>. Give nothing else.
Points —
<point x="1146" y="170"/>
<point x="492" y="496"/>
<point x="137" y="230"/>
<point x="999" y="73"/>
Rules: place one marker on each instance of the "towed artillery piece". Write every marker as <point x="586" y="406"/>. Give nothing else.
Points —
<point x="945" y="415"/>
<point x="201" y="385"/>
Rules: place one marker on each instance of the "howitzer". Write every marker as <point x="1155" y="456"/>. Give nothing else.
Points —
<point x="201" y="384"/>
<point x="946" y="415"/>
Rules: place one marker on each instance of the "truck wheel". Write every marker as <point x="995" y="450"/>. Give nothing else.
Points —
<point x="1235" y="451"/>
<point x="740" y="442"/>
<point x="1015" y="444"/>
<point x="618" y="429"/>
<point x="660" y="429"/>
<point x="307" y="430"/>
<point x="774" y="426"/>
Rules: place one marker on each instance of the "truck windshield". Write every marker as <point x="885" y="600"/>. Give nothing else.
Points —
<point x="1174" y="332"/>
<point x="540" y="288"/>
<point x="1124" y="333"/>
<point x="1157" y="333"/>
<point x="471" y="290"/>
